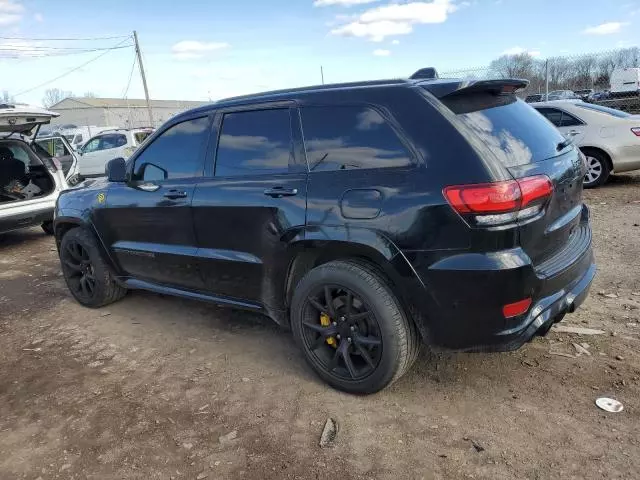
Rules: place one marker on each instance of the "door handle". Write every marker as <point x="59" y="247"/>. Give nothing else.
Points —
<point x="277" y="192"/>
<point x="574" y="132"/>
<point x="175" y="194"/>
<point x="148" y="187"/>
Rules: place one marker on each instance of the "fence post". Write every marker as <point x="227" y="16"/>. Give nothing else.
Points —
<point x="546" y="79"/>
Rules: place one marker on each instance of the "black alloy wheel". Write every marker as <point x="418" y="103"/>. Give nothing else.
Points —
<point x="78" y="270"/>
<point x="351" y="327"/>
<point x="350" y="346"/>
<point x="87" y="275"/>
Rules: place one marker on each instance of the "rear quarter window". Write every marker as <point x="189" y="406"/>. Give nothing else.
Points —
<point x="350" y="137"/>
<point x="514" y="131"/>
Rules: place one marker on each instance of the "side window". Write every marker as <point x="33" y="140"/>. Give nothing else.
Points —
<point x="553" y="115"/>
<point x="60" y="150"/>
<point x="20" y="154"/>
<point x="141" y="136"/>
<point x="254" y="143"/>
<point x="177" y="153"/>
<point x="92" y="145"/>
<point x="569" y="120"/>
<point x="346" y="137"/>
<point x="112" y="141"/>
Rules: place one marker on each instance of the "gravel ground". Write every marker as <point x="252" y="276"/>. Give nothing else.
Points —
<point x="158" y="387"/>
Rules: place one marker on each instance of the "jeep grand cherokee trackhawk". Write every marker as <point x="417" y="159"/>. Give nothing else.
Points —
<point x="369" y="218"/>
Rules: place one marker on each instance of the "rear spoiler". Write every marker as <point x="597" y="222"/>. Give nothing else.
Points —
<point x="446" y="88"/>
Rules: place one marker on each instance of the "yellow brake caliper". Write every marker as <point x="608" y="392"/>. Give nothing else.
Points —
<point x="325" y="321"/>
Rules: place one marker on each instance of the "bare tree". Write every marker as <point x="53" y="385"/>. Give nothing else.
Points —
<point x="606" y="66"/>
<point x="55" y="95"/>
<point x="559" y="69"/>
<point x="7" y="97"/>
<point x="583" y="70"/>
<point x="89" y="95"/>
<point x="514" y="66"/>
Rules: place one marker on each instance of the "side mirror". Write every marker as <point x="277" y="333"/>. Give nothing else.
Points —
<point x="116" y="170"/>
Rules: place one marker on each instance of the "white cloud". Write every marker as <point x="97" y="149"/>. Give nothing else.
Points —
<point x="38" y="17"/>
<point x="605" y="28"/>
<point x="380" y="52"/>
<point x="344" y="3"/>
<point x="624" y="44"/>
<point x="415" y="12"/>
<point x="191" y="49"/>
<point x="396" y="19"/>
<point x="376" y="32"/>
<point x="395" y="42"/>
<point x="10" y="12"/>
<point x="520" y="50"/>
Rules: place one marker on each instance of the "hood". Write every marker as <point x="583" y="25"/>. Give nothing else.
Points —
<point x="23" y="118"/>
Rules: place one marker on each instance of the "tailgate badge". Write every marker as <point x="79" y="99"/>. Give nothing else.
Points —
<point x="101" y="198"/>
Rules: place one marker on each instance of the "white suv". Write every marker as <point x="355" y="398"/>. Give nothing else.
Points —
<point x="107" y="145"/>
<point x="30" y="179"/>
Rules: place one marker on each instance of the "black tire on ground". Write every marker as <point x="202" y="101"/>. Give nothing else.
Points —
<point x="398" y="341"/>
<point x="48" y="227"/>
<point x="598" y="169"/>
<point x="87" y="275"/>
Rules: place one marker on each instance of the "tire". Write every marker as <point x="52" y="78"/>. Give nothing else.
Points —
<point x="375" y="322"/>
<point x="48" y="227"/>
<point x="80" y="259"/>
<point x="597" y="168"/>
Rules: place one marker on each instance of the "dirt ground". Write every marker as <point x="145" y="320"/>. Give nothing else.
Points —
<point x="147" y="387"/>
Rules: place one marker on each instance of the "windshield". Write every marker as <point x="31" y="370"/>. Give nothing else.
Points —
<point x="515" y="132"/>
<point x="601" y="109"/>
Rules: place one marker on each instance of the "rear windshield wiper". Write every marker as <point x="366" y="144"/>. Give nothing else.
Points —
<point x="564" y="144"/>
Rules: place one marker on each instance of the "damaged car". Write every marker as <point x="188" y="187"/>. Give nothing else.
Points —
<point x="30" y="178"/>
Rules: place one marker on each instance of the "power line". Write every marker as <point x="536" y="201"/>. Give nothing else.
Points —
<point x="27" y="48"/>
<point x="126" y="90"/>
<point x="27" y="53"/>
<point x="69" y="71"/>
<point x="65" y="39"/>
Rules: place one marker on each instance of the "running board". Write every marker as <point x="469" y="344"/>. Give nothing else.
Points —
<point x="135" y="284"/>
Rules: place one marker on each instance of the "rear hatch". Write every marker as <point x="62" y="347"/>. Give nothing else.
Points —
<point x="509" y="133"/>
<point x="23" y="119"/>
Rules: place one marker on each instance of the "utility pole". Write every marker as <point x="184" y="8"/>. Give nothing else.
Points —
<point x="144" y="78"/>
<point x="322" y="74"/>
<point x="546" y="80"/>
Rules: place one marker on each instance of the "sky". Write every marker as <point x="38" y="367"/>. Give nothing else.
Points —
<point x="211" y="49"/>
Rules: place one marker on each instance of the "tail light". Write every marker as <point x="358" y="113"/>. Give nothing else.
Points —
<point x="636" y="131"/>
<point x="516" y="308"/>
<point x="499" y="203"/>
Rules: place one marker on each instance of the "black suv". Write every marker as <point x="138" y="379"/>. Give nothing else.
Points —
<point x="367" y="217"/>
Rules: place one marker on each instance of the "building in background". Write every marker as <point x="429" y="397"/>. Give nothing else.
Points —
<point x="124" y="113"/>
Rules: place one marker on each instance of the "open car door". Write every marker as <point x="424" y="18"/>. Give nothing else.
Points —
<point x="58" y="147"/>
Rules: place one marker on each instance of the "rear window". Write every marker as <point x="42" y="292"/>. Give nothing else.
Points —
<point x="601" y="109"/>
<point x="510" y="128"/>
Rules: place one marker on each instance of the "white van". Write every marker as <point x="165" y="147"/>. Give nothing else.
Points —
<point x="625" y="81"/>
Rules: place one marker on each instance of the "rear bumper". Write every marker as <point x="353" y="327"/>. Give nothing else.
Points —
<point x="461" y="308"/>
<point x="27" y="219"/>
<point x="626" y="158"/>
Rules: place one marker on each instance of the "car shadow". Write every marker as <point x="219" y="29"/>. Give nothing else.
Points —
<point x="621" y="180"/>
<point x="21" y="237"/>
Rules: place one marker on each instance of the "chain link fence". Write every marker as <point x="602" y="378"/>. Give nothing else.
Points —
<point x="610" y="78"/>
